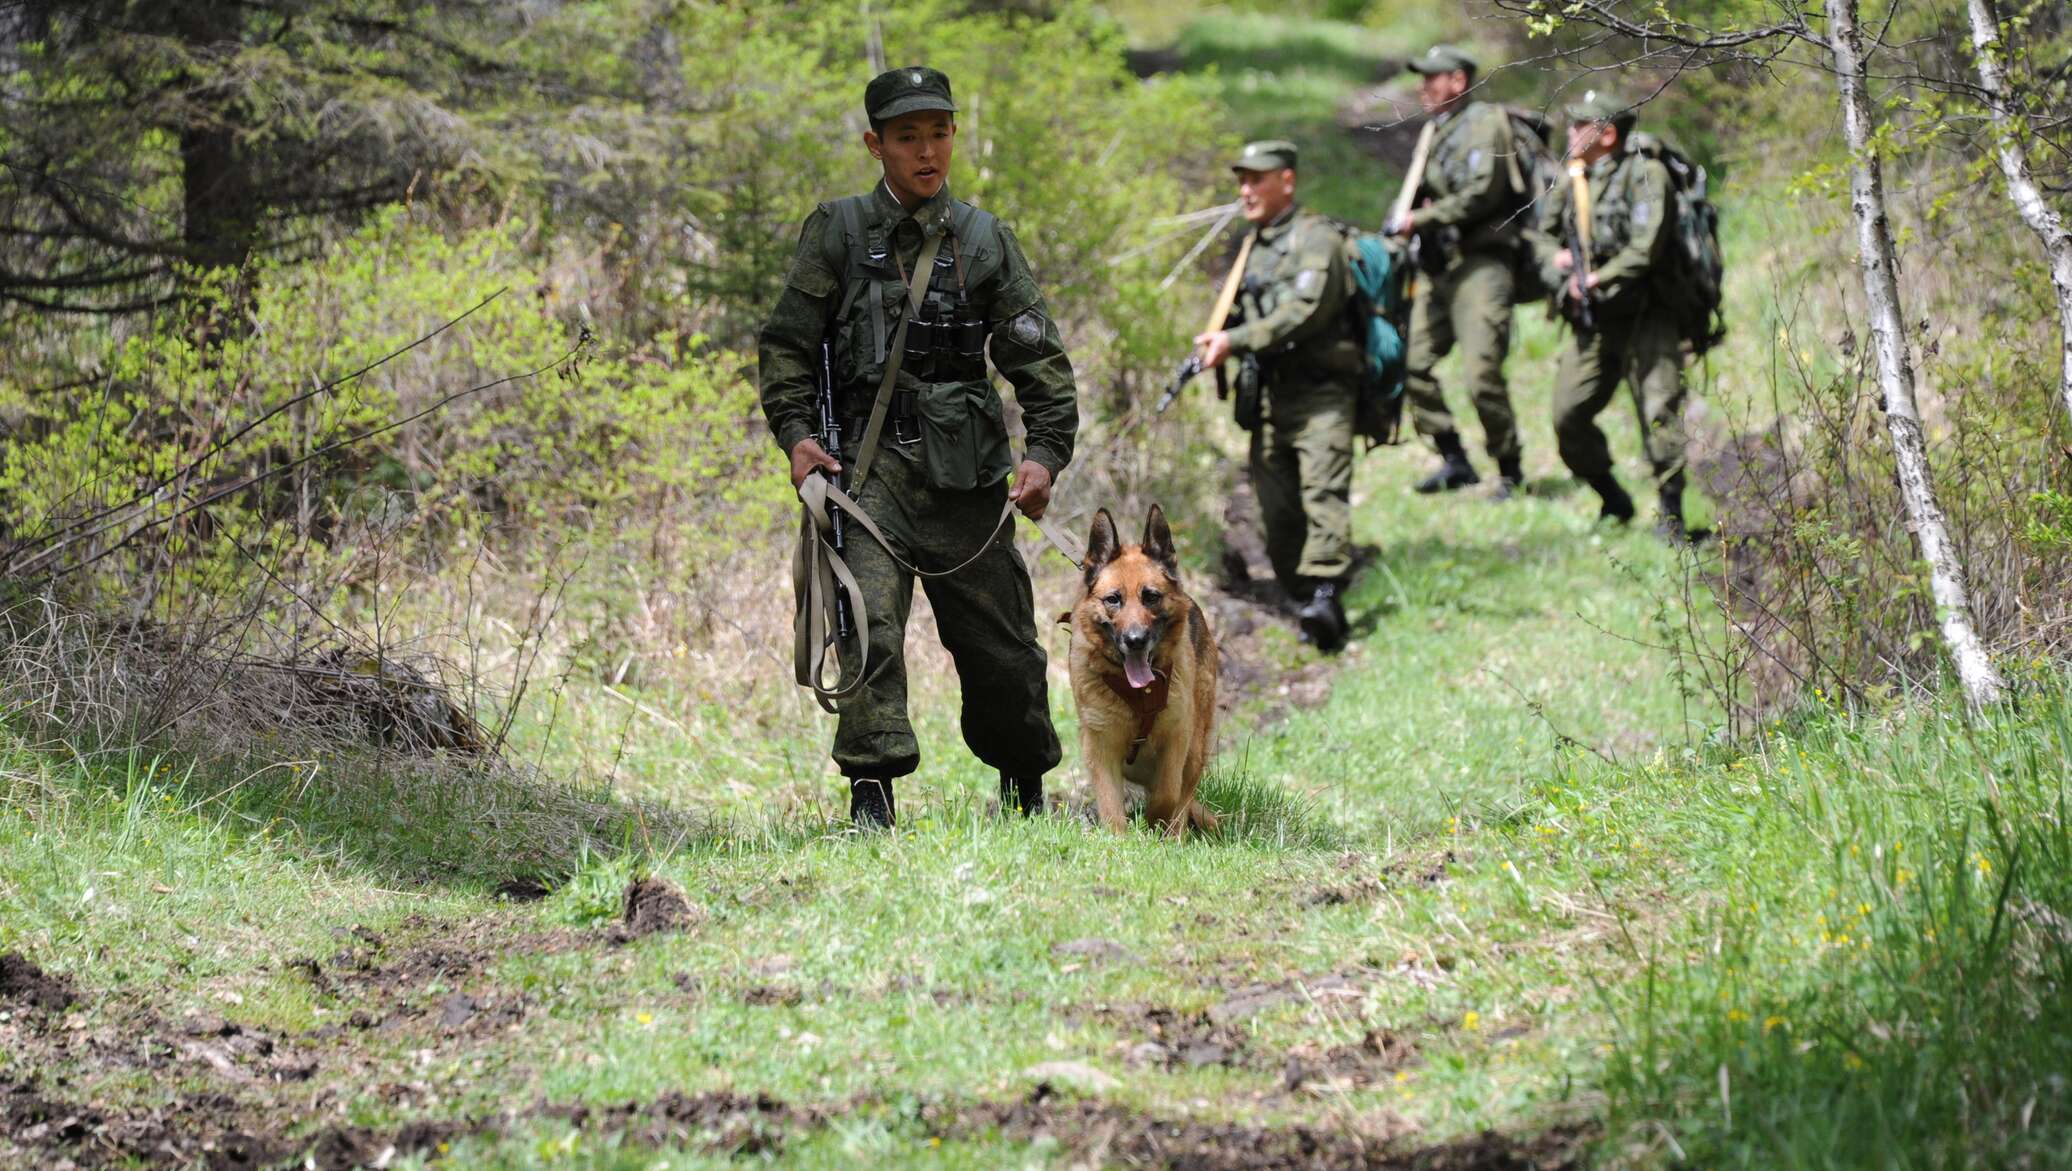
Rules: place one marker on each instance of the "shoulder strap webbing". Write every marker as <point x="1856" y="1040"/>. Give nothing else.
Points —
<point x="849" y="211"/>
<point x="917" y="289"/>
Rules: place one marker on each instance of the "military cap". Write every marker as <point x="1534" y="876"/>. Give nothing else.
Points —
<point x="1442" y="59"/>
<point x="1598" y="106"/>
<point x="1266" y="155"/>
<point x="903" y="91"/>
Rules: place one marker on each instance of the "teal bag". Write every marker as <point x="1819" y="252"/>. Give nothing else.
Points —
<point x="1376" y="312"/>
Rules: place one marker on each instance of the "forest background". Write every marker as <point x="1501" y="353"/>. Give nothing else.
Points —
<point x="393" y="545"/>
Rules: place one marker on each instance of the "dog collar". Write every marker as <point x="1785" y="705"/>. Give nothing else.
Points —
<point x="1146" y="702"/>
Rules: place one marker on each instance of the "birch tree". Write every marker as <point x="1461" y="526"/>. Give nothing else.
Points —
<point x="1975" y="670"/>
<point x="2022" y="188"/>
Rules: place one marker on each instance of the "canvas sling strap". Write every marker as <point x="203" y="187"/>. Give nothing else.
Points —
<point x="818" y="573"/>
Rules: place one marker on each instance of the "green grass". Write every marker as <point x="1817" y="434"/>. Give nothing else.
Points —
<point x="1287" y="77"/>
<point x="1507" y="829"/>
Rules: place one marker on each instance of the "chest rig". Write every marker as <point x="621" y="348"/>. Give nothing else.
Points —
<point x="945" y="341"/>
<point x="1611" y="211"/>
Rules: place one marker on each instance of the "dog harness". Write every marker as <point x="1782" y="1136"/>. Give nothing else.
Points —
<point x="1146" y="702"/>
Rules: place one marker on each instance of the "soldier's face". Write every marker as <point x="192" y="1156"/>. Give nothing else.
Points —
<point x="915" y="149"/>
<point x="1435" y="91"/>
<point x="1591" y="141"/>
<point x="1264" y="195"/>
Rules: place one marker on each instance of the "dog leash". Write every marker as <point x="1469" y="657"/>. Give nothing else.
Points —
<point x="819" y="576"/>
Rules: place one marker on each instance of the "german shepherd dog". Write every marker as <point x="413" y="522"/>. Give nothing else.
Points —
<point x="1144" y="677"/>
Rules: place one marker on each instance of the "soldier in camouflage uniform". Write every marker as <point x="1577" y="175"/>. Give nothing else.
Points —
<point x="1468" y="243"/>
<point x="1633" y="339"/>
<point x="941" y="467"/>
<point x="1296" y="288"/>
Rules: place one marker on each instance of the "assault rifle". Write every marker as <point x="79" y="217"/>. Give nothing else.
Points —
<point x="1181" y="377"/>
<point x="1578" y="241"/>
<point x="1219" y="317"/>
<point x="831" y="442"/>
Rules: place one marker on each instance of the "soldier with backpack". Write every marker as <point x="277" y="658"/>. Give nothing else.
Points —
<point x="1467" y="220"/>
<point x="1299" y="386"/>
<point x="1634" y="293"/>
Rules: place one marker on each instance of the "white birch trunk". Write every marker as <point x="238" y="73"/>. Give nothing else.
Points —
<point x="1982" y="683"/>
<point x="2042" y="218"/>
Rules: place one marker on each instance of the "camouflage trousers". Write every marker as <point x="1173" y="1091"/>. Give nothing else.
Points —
<point x="1302" y="473"/>
<point x="984" y="614"/>
<point x="1468" y="304"/>
<point x="1645" y="353"/>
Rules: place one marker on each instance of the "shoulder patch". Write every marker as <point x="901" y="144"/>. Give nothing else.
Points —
<point x="1026" y="328"/>
<point x="1642" y="213"/>
<point x="1305" y="282"/>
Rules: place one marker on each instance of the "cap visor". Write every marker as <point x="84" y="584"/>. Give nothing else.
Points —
<point x="913" y="104"/>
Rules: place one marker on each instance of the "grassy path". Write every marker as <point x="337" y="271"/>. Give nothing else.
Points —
<point x="1359" y="962"/>
<point x="1440" y="914"/>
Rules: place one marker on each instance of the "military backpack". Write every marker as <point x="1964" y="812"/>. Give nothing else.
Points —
<point x="1377" y="316"/>
<point x="1691" y="281"/>
<point x="1535" y="167"/>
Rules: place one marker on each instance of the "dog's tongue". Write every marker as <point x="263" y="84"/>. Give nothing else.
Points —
<point x="1137" y="669"/>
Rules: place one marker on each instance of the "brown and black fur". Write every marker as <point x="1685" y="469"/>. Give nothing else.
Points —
<point x="1134" y="604"/>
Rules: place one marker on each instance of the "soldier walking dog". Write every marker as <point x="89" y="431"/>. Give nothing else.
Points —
<point x="912" y="290"/>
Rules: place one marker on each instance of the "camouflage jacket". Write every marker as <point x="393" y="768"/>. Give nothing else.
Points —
<point x="1468" y="177"/>
<point x="1630" y="200"/>
<point x="995" y="284"/>
<point x="1296" y="284"/>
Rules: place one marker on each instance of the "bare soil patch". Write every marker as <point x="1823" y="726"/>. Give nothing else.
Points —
<point x="1167" y="1038"/>
<point x="1105" y="1134"/>
<point x="1377" y="1056"/>
<point x="653" y="906"/>
<point x="24" y="985"/>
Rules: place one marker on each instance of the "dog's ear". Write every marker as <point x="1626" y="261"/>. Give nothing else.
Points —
<point x="1158" y="542"/>
<point x="1101" y="545"/>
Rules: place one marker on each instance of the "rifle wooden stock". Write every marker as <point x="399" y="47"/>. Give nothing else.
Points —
<point x="1218" y="314"/>
<point x="1579" y="188"/>
<point x="1414" y="177"/>
<point x="1228" y="297"/>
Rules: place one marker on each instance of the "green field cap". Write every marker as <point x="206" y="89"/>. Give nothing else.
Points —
<point x="1441" y="59"/>
<point x="905" y="90"/>
<point x="1598" y="106"/>
<point x="1266" y="155"/>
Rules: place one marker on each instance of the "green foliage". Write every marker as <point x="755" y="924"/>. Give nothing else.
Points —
<point x="1890" y="965"/>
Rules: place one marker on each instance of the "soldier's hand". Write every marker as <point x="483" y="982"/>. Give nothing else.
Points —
<point x="1575" y="289"/>
<point x="807" y="457"/>
<point x="1031" y="491"/>
<point x="1564" y="260"/>
<point x="1402" y="225"/>
<point x="1213" y="347"/>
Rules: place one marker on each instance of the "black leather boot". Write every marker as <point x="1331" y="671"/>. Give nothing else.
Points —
<point x="1323" y="617"/>
<point x="1617" y="506"/>
<point x="1510" y="479"/>
<point x="1670" y="524"/>
<point x="1454" y="472"/>
<point x="1022" y="795"/>
<point x="870" y="803"/>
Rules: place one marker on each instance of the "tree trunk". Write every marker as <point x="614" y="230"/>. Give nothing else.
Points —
<point x="220" y="195"/>
<point x="1982" y="683"/>
<point x="2042" y="218"/>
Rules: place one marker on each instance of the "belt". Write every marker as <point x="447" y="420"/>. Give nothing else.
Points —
<point x="904" y="430"/>
<point x="859" y="403"/>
